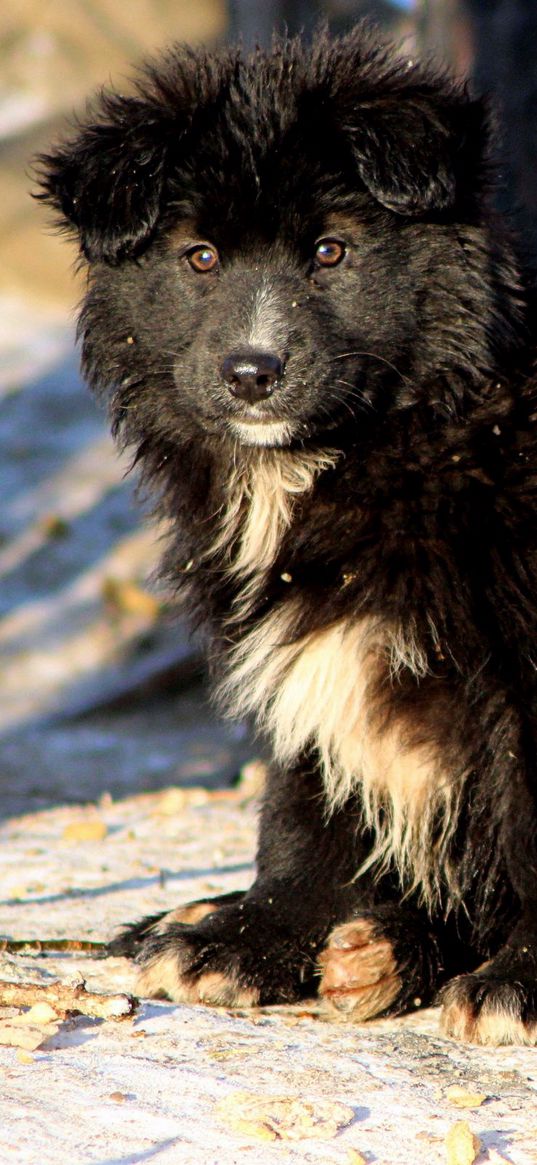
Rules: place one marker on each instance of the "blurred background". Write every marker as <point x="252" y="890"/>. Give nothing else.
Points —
<point x="99" y="689"/>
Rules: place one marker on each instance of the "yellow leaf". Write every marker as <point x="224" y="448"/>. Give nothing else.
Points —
<point x="41" y="1013"/>
<point x="130" y="599"/>
<point x="94" y="829"/>
<point x="464" y="1098"/>
<point x="289" y="1118"/>
<point x="354" y="1157"/>
<point x="462" y="1146"/>
<point x="24" y="1057"/>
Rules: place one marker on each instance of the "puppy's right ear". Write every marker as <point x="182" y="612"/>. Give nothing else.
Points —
<point x="107" y="181"/>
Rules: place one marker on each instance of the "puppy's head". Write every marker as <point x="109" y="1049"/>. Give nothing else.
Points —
<point x="281" y="244"/>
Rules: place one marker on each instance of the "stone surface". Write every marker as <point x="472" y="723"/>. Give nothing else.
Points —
<point x="158" y="1086"/>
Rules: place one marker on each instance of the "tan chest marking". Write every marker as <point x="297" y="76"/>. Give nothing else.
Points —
<point x="332" y="690"/>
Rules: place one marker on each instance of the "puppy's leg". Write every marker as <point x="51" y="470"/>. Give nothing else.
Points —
<point x="497" y="1004"/>
<point x="262" y="947"/>
<point x="383" y="961"/>
<point x="132" y="939"/>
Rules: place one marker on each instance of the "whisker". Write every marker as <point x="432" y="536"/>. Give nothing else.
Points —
<point x="374" y="356"/>
<point x="343" y="400"/>
<point x="357" y="394"/>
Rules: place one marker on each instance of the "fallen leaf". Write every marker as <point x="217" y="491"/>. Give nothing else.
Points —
<point x="25" y="1035"/>
<point x="24" y="1057"/>
<point x="23" y="891"/>
<point x="94" y="829"/>
<point x="40" y="1013"/>
<point x="464" y="1098"/>
<point x="175" y="800"/>
<point x="462" y="1146"/>
<point x="286" y="1118"/>
<point x="130" y="599"/>
<point x="354" y="1157"/>
<point x="54" y="526"/>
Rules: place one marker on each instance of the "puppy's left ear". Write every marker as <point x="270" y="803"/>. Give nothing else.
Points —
<point x="417" y="155"/>
<point x="107" y="181"/>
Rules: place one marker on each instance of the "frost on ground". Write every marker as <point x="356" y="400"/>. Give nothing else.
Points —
<point x="183" y="1084"/>
<point x="117" y="801"/>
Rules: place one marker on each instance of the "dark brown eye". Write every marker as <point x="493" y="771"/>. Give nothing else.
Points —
<point x="329" y="252"/>
<point x="203" y="258"/>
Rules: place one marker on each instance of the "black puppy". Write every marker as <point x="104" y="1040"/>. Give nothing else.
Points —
<point x="309" y="325"/>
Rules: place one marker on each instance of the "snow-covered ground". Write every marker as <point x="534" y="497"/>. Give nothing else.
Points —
<point x="163" y="1086"/>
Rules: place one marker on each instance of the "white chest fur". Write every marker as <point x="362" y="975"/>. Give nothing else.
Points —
<point x="331" y="690"/>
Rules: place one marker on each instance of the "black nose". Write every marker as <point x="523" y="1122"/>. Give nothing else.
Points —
<point x="252" y="376"/>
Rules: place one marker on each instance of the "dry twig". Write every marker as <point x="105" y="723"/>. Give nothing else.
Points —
<point x="67" y="999"/>
<point x="42" y="945"/>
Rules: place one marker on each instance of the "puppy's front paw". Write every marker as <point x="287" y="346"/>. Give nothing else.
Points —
<point x="496" y="1004"/>
<point x="380" y="963"/>
<point x="359" y="971"/>
<point x="177" y="968"/>
<point x="234" y="954"/>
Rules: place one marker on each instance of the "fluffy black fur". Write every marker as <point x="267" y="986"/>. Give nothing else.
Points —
<point x="342" y="434"/>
